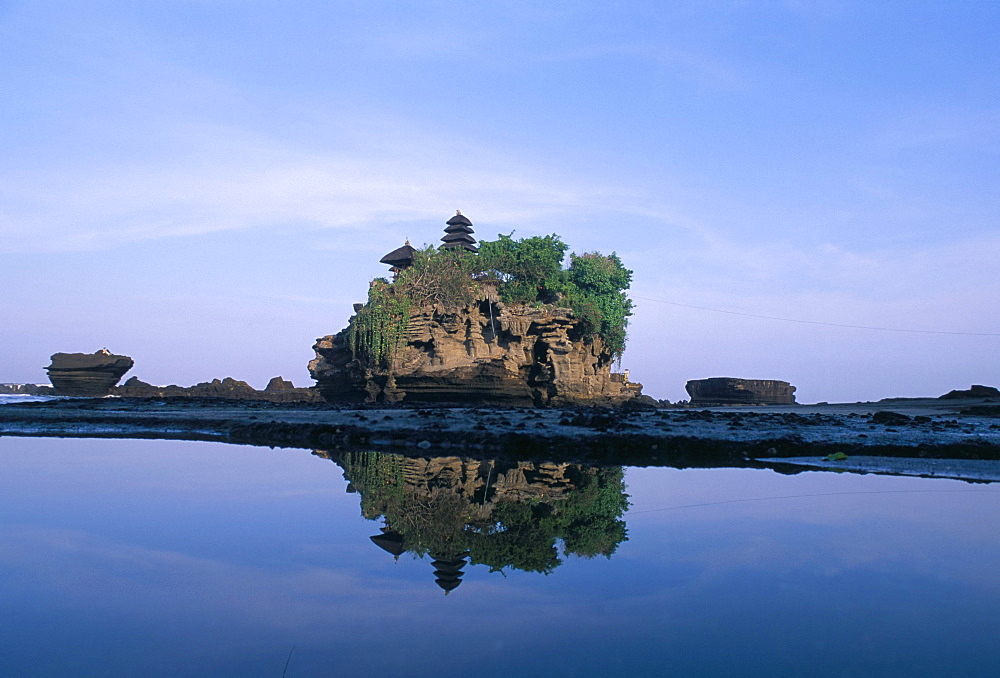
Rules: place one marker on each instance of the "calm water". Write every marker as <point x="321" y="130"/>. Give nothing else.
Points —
<point x="151" y="558"/>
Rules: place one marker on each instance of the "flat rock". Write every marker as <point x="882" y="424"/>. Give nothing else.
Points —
<point x="87" y="374"/>
<point x="734" y="391"/>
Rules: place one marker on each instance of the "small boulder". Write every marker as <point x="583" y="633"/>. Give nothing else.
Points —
<point x="890" y="418"/>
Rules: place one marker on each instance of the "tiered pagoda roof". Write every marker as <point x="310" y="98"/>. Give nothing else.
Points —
<point x="458" y="234"/>
<point x="449" y="570"/>
<point x="399" y="258"/>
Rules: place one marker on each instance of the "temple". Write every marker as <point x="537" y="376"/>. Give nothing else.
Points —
<point x="472" y="347"/>
<point x="457" y="236"/>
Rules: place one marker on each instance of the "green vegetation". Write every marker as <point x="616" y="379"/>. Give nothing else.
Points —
<point x="525" y="271"/>
<point x="379" y="328"/>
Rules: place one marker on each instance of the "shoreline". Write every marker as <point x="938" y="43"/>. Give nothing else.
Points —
<point x="760" y="436"/>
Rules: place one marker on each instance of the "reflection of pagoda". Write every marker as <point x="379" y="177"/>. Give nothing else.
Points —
<point x="448" y="569"/>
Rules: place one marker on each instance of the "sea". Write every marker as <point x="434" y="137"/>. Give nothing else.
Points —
<point x="12" y="398"/>
<point x="176" y="558"/>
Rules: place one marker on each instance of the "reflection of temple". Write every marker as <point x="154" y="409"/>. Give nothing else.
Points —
<point x="500" y="514"/>
<point x="447" y="569"/>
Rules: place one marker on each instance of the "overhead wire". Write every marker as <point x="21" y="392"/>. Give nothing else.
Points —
<point x="819" y="322"/>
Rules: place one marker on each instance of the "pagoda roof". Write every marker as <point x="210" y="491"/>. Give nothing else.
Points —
<point x="459" y="237"/>
<point x="389" y="541"/>
<point x="459" y="219"/>
<point x="400" y="257"/>
<point x="458" y="234"/>
<point x="459" y="245"/>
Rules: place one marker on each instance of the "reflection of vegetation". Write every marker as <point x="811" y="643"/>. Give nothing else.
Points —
<point x="499" y="515"/>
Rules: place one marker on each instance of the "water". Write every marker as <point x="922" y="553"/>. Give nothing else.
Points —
<point x="160" y="558"/>
<point x="12" y="398"/>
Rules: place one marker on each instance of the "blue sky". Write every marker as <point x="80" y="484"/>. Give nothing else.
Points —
<point x="208" y="186"/>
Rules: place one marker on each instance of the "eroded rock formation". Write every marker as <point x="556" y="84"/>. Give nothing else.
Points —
<point x="87" y="374"/>
<point x="278" y="390"/>
<point x="486" y="352"/>
<point x="732" y="391"/>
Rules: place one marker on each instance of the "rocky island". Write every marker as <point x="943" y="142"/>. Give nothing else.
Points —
<point x="498" y="323"/>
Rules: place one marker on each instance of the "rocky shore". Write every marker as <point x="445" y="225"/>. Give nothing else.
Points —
<point x="278" y="390"/>
<point x="957" y="428"/>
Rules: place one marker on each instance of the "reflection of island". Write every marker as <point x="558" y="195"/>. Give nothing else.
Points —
<point x="499" y="514"/>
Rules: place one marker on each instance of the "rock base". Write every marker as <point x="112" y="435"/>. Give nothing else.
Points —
<point x="486" y="353"/>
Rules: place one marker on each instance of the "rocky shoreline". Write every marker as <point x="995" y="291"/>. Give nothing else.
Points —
<point x="760" y="436"/>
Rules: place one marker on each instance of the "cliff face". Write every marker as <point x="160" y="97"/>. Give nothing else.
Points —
<point x="486" y="352"/>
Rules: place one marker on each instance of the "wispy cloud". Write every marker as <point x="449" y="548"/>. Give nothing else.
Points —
<point x="224" y="178"/>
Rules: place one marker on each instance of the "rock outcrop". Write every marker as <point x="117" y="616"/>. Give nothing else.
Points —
<point x="87" y="374"/>
<point x="278" y="391"/>
<point x="976" y="391"/>
<point x="732" y="391"/>
<point x="487" y="352"/>
<point x="25" y="389"/>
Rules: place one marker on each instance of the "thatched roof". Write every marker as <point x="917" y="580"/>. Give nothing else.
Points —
<point x="400" y="257"/>
<point x="459" y="220"/>
<point x="458" y="234"/>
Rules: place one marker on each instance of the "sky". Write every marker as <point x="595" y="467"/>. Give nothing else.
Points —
<point x="208" y="186"/>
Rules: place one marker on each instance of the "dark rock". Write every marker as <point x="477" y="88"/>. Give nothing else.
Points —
<point x="983" y="410"/>
<point x="890" y="418"/>
<point x="278" y="390"/>
<point x="642" y="402"/>
<point x="733" y="391"/>
<point x="976" y="391"/>
<point x="277" y="384"/>
<point x="25" y="389"/>
<point x="87" y="374"/>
